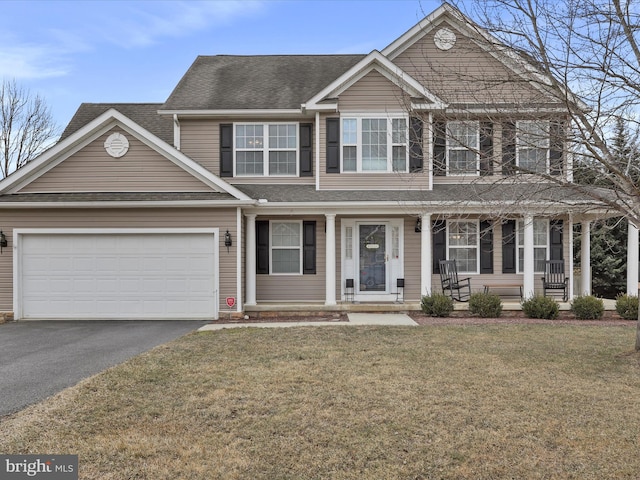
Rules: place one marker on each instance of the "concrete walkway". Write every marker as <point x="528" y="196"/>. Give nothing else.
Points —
<point x="355" y="319"/>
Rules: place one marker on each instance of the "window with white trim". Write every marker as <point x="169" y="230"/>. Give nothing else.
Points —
<point x="463" y="143"/>
<point x="286" y="247"/>
<point x="463" y="244"/>
<point x="269" y="149"/>
<point x="540" y="244"/>
<point x="532" y="146"/>
<point x="375" y="144"/>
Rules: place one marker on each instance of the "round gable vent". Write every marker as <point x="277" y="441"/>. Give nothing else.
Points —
<point x="116" y="145"/>
<point x="444" y="39"/>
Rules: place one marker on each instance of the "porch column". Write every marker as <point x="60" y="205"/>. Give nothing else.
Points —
<point x="330" y="263"/>
<point x="585" y="259"/>
<point x="571" y="264"/>
<point x="528" y="285"/>
<point x="632" y="260"/>
<point x="425" y="255"/>
<point x="250" y="259"/>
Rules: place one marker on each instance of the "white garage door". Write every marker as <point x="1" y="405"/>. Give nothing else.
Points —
<point x="118" y="276"/>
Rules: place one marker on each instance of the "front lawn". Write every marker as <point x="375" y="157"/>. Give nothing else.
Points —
<point x="490" y="401"/>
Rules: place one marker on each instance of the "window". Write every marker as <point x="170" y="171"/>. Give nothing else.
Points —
<point x="374" y="144"/>
<point x="286" y="247"/>
<point x="463" y="245"/>
<point x="532" y="140"/>
<point x="540" y="244"/>
<point x="266" y="149"/>
<point x="463" y="140"/>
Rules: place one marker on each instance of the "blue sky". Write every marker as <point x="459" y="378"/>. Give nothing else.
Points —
<point x="136" y="51"/>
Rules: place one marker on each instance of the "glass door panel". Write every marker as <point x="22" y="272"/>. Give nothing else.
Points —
<point x="373" y="257"/>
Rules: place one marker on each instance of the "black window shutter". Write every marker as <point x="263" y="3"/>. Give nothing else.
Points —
<point x="439" y="231"/>
<point x="226" y="150"/>
<point x="509" y="246"/>
<point x="306" y="149"/>
<point x="486" y="247"/>
<point x="415" y="145"/>
<point x="309" y="247"/>
<point x="556" y="240"/>
<point x="557" y="132"/>
<point x="262" y="246"/>
<point x="439" y="148"/>
<point x="333" y="145"/>
<point x="486" y="148"/>
<point x="508" y="148"/>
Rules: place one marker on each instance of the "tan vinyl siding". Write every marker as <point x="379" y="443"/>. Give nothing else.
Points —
<point x="412" y="267"/>
<point x="366" y="181"/>
<point x="141" y="169"/>
<point x="123" y="218"/>
<point x="465" y="73"/>
<point x="373" y="92"/>
<point x="200" y="140"/>
<point x="296" y="288"/>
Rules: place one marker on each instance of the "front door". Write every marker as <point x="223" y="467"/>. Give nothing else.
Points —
<point x="373" y="258"/>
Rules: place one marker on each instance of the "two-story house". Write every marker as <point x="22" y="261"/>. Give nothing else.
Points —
<point x="315" y="180"/>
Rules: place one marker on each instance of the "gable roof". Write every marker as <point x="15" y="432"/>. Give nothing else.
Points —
<point x="375" y="61"/>
<point x="144" y="114"/>
<point x="230" y="82"/>
<point x="100" y="125"/>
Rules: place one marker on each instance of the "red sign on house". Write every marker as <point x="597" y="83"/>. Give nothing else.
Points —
<point x="231" y="301"/>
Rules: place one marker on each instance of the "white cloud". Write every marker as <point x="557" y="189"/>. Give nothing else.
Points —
<point x="30" y="61"/>
<point x="146" y="23"/>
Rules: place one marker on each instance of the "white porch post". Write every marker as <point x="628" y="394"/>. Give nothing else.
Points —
<point x="250" y="260"/>
<point x="330" y="264"/>
<point x="571" y="265"/>
<point x="632" y="260"/>
<point x="528" y="285"/>
<point x="585" y="259"/>
<point x="425" y="255"/>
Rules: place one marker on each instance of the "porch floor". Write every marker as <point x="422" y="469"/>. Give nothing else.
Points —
<point x="317" y="307"/>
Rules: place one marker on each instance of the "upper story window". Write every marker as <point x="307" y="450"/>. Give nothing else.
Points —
<point x="374" y="144"/>
<point x="532" y="142"/>
<point x="463" y="141"/>
<point x="266" y="149"/>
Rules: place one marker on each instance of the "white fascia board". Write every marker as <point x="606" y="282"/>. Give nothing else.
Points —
<point x="270" y="112"/>
<point x="93" y="130"/>
<point x="374" y="61"/>
<point x="129" y="204"/>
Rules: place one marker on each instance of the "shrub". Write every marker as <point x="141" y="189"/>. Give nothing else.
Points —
<point x="540" y="306"/>
<point x="437" y="305"/>
<point x="485" y="305"/>
<point x="627" y="306"/>
<point x="587" y="307"/>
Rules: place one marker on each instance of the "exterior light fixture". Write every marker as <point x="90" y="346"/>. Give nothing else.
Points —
<point x="3" y="241"/>
<point x="418" y="225"/>
<point x="227" y="240"/>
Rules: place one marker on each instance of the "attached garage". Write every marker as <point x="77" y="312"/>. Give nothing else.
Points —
<point x="116" y="274"/>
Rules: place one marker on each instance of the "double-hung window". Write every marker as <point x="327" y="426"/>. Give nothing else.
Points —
<point x="286" y="247"/>
<point x="532" y="141"/>
<point x="266" y="149"/>
<point x="463" y="141"/>
<point x="463" y="244"/>
<point x="374" y="144"/>
<point x="540" y="244"/>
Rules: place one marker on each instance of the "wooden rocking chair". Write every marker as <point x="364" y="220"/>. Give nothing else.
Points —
<point x="458" y="288"/>
<point x="555" y="279"/>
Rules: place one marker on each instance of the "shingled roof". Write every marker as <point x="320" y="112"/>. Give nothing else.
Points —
<point x="144" y="114"/>
<point x="232" y="82"/>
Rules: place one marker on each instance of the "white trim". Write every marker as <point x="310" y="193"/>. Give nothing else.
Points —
<point x="18" y="233"/>
<point x="240" y="273"/>
<point x="300" y="248"/>
<point x="109" y="119"/>
<point x="128" y="204"/>
<point x="519" y="146"/>
<point x="249" y="112"/>
<point x="176" y="132"/>
<point x="475" y="151"/>
<point x="266" y="149"/>
<point x="547" y="247"/>
<point x="317" y="152"/>
<point x="374" y="61"/>
<point x="477" y="245"/>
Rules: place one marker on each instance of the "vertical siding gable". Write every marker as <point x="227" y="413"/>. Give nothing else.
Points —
<point x="92" y="169"/>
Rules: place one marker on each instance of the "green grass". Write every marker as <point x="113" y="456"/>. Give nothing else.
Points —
<point x="492" y="401"/>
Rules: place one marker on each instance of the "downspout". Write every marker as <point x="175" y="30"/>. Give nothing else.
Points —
<point x="176" y="131"/>
<point x="317" y="151"/>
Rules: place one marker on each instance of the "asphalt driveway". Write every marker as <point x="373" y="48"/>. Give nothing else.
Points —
<point x="38" y="359"/>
